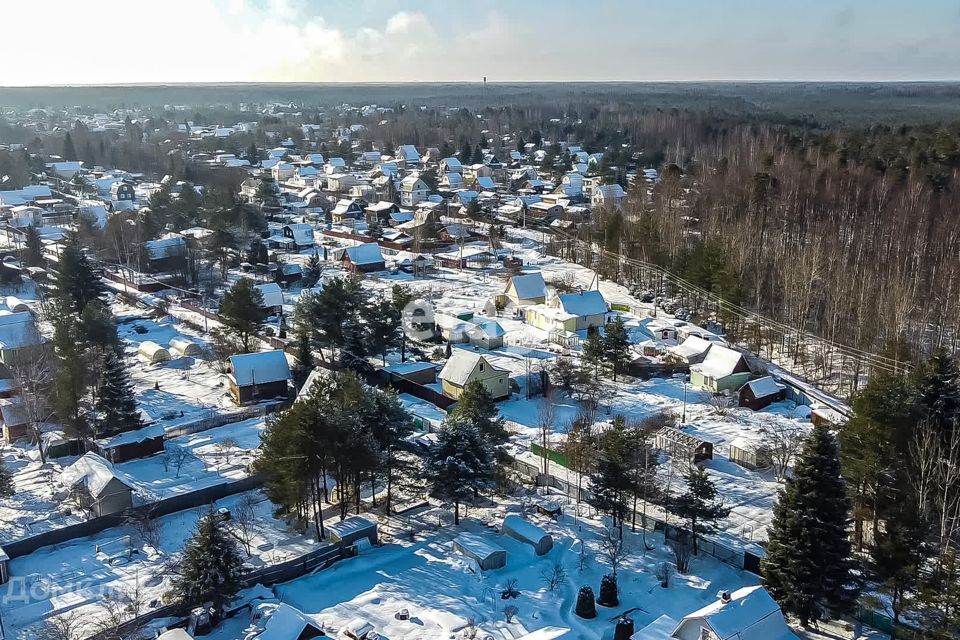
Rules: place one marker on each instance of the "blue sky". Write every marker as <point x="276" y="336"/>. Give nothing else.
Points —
<point x="437" y="40"/>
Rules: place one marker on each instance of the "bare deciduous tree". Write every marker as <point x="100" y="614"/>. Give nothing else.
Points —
<point x="33" y="376"/>
<point x="65" y="626"/>
<point x="553" y="576"/>
<point x="546" y="415"/>
<point x="146" y="527"/>
<point x="783" y="439"/>
<point x="244" y="519"/>
<point x="176" y="457"/>
<point x="612" y="548"/>
<point x="682" y="552"/>
<point x="510" y="612"/>
<point x="226" y="447"/>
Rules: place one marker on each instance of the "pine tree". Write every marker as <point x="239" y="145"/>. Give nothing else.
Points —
<point x="899" y="549"/>
<point x="808" y="567"/>
<point x="477" y="407"/>
<point x="242" y="312"/>
<point x="477" y="157"/>
<point x="699" y="505"/>
<point x="459" y="465"/>
<point x="616" y="345"/>
<point x="6" y="481"/>
<point x="33" y="250"/>
<point x="116" y="404"/>
<point x="253" y="155"/>
<point x="586" y="606"/>
<point x="211" y="567"/>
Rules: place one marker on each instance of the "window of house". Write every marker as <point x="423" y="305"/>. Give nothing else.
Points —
<point x="481" y="366"/>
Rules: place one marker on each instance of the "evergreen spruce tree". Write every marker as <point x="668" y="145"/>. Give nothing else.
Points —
<point x="6" y="481"/>
<point x="242" y="312"/>
<point x="74" y="280"/>
<point x="33" y="250"/>
<point x="253" y="155"/>
<point x="459" y="466"/>
<point x="610" y="480"/>
<point x="808" y="568"/>
<point x="699" y="505"/>
<point x="586" y="607"/>
<point x="211" y="566"/>
<point x="477" y="407"/>
<point x="312" y="272"/>
<point x="616" y="345"/>
<point x="593" y="352"/>
<point x="382" y="321"/>
<point x="116" y="405"/>
<point x="938" y="392"/>
<point x="72" y="378"/>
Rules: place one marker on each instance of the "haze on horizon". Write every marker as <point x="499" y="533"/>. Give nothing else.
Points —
<point x="64" y="42"/>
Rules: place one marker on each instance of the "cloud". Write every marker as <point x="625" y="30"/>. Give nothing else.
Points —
<point x="405" y="22"/>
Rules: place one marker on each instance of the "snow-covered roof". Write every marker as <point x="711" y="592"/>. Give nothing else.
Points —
<point x="608" y="191"/>
<point x="720" y="361"/>
<point x="272" y="294"/>
<point x="660" y="629"/>
<point x="583" y="303"/>
<point x="175" y="634"/>
<point x="367" y="253"/>
<point x="165" y="247"/>
<point x="765" y="386"/>
<point x="529" y="286"/>
<point x="302" y="232"/>
<point x="477" y="545"/>
<point x="486" y="183"/>
<point x="749" y="614"/>
<point x="692" y="346"/>
<point x="18" y="330"/>
<point x="280" y="621"/>
<point x="13" y="412"/>
<point x="404" y="368"/>
<point x="408" y="152"/>
<point x="353" y="524"/>
<point x="93" y="472"/>
<point x="524" y="528"/>
<point x="259" y="368"/>
<point x="129" y="437"/>
<point x="461" y="364"/>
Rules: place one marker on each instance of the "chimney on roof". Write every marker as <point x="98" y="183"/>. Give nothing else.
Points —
<point x="724" y="597"/>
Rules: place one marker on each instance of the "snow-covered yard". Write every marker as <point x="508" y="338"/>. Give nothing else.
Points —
<point x="79" y="575"/>
<point x="443" y="592"/>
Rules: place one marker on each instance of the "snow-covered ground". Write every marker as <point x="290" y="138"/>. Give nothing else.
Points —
<point x="79" y="575"/>
<point x="443" y="592"/>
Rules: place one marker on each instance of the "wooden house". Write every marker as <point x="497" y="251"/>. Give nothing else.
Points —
<point x="465" y="367"/>
<point x="723" y="369"/>
<point x="364" y="258"/>
<point x="97" y="486"/>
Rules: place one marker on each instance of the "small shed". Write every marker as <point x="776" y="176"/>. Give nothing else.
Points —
<point x="487" y="555"/>
<point x="131" y="445"/>
<point x="153" y="352"/>
<point x="184" y="347"/>
<point x="680" y="445"/>
<point x="348" y="531"/>
<point x="364" y="258"/>
<point x="749" y="454"/>
<point x="418" y="372"/>
<point x="488" y="334"/>
<point x="762" y="392"/>
<point x="527" y="532"/>
<point x="258" y="376"/>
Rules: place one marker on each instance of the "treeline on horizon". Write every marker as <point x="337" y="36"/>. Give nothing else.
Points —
<point x="826" y="103"/>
